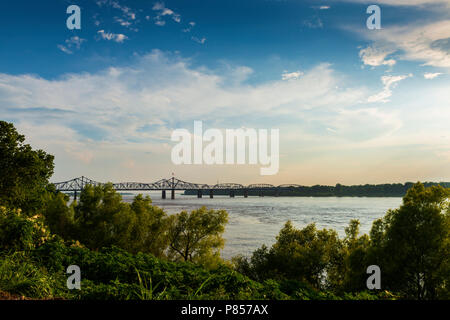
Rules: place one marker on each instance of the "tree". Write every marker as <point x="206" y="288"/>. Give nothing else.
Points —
<point x="349" y="270"/>
<point x="59" y="215"/>
<point x="148" y="234"/>
<point x="412" y="244"/>
<point x="197" y="236"/>
<point x="304" y="255"/>
<point x="102" y="219"/>
<point x="24" y="172"/>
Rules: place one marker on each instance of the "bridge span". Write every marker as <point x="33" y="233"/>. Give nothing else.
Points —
<point x="172" y="184"/>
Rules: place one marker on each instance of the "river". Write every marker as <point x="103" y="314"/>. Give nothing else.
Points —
<point x="254" y="221"/>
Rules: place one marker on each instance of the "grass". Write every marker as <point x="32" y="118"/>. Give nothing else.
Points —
<point x="20" y="276"/>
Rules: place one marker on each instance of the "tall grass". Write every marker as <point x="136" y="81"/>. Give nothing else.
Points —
<point x="19" y="275"/>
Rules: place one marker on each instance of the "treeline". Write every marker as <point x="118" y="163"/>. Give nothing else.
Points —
<point x="339" y="190"/>
<point x="136" y="251"/>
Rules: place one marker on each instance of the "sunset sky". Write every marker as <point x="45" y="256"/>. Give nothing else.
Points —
<point x="353" y="105"/>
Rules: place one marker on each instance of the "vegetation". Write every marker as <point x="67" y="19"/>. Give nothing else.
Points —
<point x="411" y="245"/>
<point x="339" y="190"/>
<point x="136" y="251"/>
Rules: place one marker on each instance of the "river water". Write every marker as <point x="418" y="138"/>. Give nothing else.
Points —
<point x="254" y="221"/>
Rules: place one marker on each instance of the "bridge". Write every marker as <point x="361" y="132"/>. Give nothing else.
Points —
<point x="171" y="184"/>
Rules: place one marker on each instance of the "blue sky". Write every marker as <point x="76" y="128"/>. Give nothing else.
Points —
<point x="353" y="105"/>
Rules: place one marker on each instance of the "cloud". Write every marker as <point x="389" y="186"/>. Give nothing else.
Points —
<point x="149" y="98"/>
<point x="291" y="75"/>
<point x="377" y="123"/>
<point x="198" y="40"/>
<point x="389" y="83"/>
<point x="95" y="123"/>
<point x="428" y="43"/>
<point x="314" y="23"/>
<point x="128" y="19"/>
<point x="324" y="7"/>
<point x="374" y="56"/>
<point x="429" y="75"/>
<point x="400" y="2"/>
<point x="126" y="11"/>
<point x="190" y="26"/>
<point x="71" y="43"/>
<point x="64" y="49"/>
<point x="117" y="37"/>
<point x="163" y="11"/>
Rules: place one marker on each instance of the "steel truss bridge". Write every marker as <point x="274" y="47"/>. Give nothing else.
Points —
<point x="171" y="184"/>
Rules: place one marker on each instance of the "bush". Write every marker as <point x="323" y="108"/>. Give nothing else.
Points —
<point x="19" y="232"/>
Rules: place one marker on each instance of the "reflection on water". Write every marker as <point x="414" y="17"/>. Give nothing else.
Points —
<point x="255" y="221"/>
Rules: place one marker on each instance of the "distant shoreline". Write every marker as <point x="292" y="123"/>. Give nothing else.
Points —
<point x="368" y="190"/>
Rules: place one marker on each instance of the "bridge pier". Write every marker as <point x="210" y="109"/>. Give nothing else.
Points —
<point x="163" y="196"/>
<point x="211" y="193"/>
<point x="199" y="193"/>
<point x="172" y="196"/>
<point x="231" y="193"/>
<point x="75" y="196"/>
<point x="245" y="193"/>
<point x="261" y="193"/>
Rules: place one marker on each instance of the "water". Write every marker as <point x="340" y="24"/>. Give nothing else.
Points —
<point x="255" y="221"/>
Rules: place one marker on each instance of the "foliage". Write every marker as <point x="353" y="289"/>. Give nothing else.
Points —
<point x="197" y="236"/>
<point x="102" y="219"/>
<point x="20" y="275"/>
<point x="303" y="255"/>
<point x="113" y="273"/>
<point x="19" y="232"/>
<point x="24" y="172"/>
<point x="412" y="244"/>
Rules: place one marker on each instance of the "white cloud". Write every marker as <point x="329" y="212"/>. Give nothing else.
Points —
<point x="389" y="83"/>
<point x="117" y="37"/>
<point x="190" y="26"/>
<point x="426" y="43"/>
<point x="158" y="88"/>
<point x="400" y="2"/>
<point x="374" y="57"/>
<point x="162" y="11"/>
<point x="64" y="49"/>
<point x="324" y="7"/>
<point x="291" y="75"/>
<point x="71" y="43"/>
<point x="95" y="123"/>
<point x="128" y="19"/>
<point x="429" y="75"/>
<point x="198" y="40"/>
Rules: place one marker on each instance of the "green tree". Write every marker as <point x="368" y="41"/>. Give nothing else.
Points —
<point x="197" y="236"/>
<point x="59" y="215"/>
<point x="102" y="219"/>
<point x="304" y="255"/>
<point x="412" y="246"/>
<point x="349" y="270"/>
<point x="148" y="233"/>
<point x="24" y="172"/>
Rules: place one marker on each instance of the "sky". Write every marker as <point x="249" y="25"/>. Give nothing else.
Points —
<point x="352" y="105"/>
